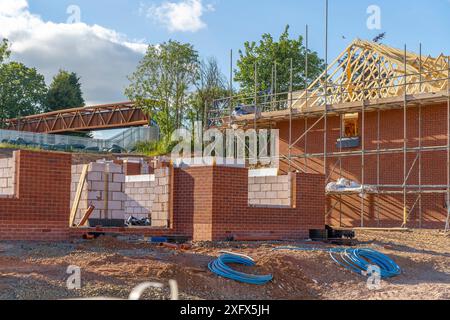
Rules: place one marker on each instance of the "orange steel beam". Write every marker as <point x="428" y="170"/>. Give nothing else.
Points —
<point x="108" y="116"/>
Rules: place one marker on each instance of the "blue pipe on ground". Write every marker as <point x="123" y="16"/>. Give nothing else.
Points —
<point x="358" y="260"/>
<point x="220" y="267"/>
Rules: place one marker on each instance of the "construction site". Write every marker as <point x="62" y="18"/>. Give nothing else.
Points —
<point x="364" y="163"/>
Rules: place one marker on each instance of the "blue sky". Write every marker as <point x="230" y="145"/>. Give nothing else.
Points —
<point x="234" y="21"/>
<point x="111" y="36"/>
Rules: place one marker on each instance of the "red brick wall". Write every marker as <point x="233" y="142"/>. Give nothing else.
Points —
<point x="132" y="169"/>
<point x="192" y="202"/>
<point x="40" y="208"/>
<point x="211" y="203"/>
<point x="389" y="208"/>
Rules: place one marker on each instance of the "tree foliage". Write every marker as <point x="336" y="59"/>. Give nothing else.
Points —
<point x="210" y="85"/>
<point x="4" y="50"/>
<point x="162" y="82"/>
<point x="64" y="92"/>
<point x="273" y="60"/>
<point x="22" y="91"/>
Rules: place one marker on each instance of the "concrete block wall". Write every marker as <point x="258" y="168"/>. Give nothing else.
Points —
<point x="104" y="188"/>
<point x="160" y="209"/>
<point x="140" y="194"/>
<point x="117" y="196"/>
<point x="148" y="196"/>
<point x="7" y="177"/>
<point x="274" y="191"/>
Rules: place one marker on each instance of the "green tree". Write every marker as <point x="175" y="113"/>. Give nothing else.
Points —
<point x="64" y="92"/>
<point x="162" y="82"/>
<point x="22" y="91"/>
<point x="273" y="62"/>
<point x="210" y="85"/>
<point x="4" y="50"/>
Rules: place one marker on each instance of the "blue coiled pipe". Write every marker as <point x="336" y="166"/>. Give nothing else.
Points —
<point x="358" y="260"/>
<point x="220" y="267"/>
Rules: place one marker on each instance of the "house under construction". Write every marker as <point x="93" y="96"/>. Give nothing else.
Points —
<point x="366" y="144"/>
<point x="378" y="116"/>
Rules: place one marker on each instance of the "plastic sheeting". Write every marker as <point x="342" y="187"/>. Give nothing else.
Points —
<point x="349" y="187"/>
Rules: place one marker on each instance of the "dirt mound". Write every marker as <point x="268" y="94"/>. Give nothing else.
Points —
<point x="111" y="267"/>
<point x="107" y="242"/>
<point x="289" y="281"/>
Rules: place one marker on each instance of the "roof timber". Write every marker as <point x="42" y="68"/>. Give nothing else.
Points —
<point x="369" y="74"/>
<point x="367" y="70"/>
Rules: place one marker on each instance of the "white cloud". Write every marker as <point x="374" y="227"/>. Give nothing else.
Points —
<point x="183" y="16"/>
<point x="101" y="57"/>
<point x="12" y="7"/>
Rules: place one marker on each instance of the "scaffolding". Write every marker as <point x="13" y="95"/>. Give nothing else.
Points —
<point x="365" y="77"/>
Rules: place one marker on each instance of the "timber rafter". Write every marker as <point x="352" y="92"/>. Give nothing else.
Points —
<point x="367" y="70"/>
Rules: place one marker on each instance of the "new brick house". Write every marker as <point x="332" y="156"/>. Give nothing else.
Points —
<point x="385" y="125"/>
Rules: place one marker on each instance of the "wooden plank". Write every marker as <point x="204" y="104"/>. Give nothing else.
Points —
<point x="76" y="200"/>
<point x="86" y="216"/>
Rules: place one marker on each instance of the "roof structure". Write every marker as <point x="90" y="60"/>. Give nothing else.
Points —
<point x="365" y="72"/>
<point x="368" y="70"/>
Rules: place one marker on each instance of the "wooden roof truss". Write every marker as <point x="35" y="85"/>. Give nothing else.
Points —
<point x="367" y="70"/>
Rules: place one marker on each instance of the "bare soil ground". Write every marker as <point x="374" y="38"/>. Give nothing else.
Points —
<point x="112" y="268"/>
